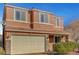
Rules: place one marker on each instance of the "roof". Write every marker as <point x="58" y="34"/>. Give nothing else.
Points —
<point x="16" y="7"/>
<point x="27" y="8"/>
<point x="42" y="11"/>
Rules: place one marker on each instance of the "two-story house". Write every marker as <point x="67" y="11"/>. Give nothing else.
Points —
<point x="31" y="31"/>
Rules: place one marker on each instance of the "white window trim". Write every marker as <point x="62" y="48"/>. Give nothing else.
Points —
<point x="40" y="19"/>
<point x="26" y="17"/>
<point x="57" y="26"/>
<point x="43" y="23"/>
<point x="56" y="22"/>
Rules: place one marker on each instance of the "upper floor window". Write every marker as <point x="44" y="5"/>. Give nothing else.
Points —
<point x="56" y="21"/>
<point x="20" y="15"/>
<point x="17" y="15"/>
<point x="43" y="18"/>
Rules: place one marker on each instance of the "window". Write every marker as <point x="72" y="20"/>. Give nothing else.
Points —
<point x="57" y="39"/>
<point x="23" y="16"/>
<point x="44" y="18"/>
<point x="56" y="21"/>
<point x="20" y="15"/>
<point x="17" y="15"/>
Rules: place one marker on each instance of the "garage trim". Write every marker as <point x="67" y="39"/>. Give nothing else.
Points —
<point x="35" y="35"/>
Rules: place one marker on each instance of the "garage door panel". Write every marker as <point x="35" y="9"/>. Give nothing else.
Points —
<point x="27" y="44"/>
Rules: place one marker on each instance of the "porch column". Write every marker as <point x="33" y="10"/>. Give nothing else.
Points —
<point x="50" y="44"/>
<point x="50" y="47"/>
<point x="63" y="38"/>
<point x="69" y="38"/>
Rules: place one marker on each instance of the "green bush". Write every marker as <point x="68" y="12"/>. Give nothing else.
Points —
<point x="70" y="46"/>
<point x="65" y="47"/>
<point x="78" y="45"/>
<point x="60" y="48"/>
<point x="2" y="52"/>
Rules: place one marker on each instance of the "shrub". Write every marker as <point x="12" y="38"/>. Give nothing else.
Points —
<point x="70" y="46"/>
<point x="2" y="52"/>
<point x="60" y="48"/>
<point x="65" y="47"/>
<point x="78" y="46"/>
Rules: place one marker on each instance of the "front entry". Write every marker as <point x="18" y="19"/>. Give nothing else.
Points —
<point x="54" y="39"/>
<point x="57" y="39"/>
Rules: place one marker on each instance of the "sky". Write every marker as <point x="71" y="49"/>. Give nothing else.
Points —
<point x="1" y="16"/>
<point x="69" y="11"/>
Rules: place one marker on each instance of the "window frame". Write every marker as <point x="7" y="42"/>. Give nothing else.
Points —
<point x="56" y="22"/>
<point x="44" y="18"/>
<point x="16" y="15"/>
<point x="57" y="39"/>
<point x="20" y="10"/>
<point x="23" y="15"/>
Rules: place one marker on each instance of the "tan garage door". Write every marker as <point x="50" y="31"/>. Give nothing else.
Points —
<point x="27" y="44"/>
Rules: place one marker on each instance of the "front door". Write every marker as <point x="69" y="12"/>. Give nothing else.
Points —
<point x="57" y="39"/>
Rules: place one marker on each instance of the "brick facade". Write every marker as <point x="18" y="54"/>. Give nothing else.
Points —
<point x="32" y="21"/>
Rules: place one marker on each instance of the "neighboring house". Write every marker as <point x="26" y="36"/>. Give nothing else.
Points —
<point x="31" y="31"/>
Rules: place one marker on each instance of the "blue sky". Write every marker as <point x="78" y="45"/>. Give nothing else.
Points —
<point x="68" y="11"/>
<point x="1" y="16"/>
